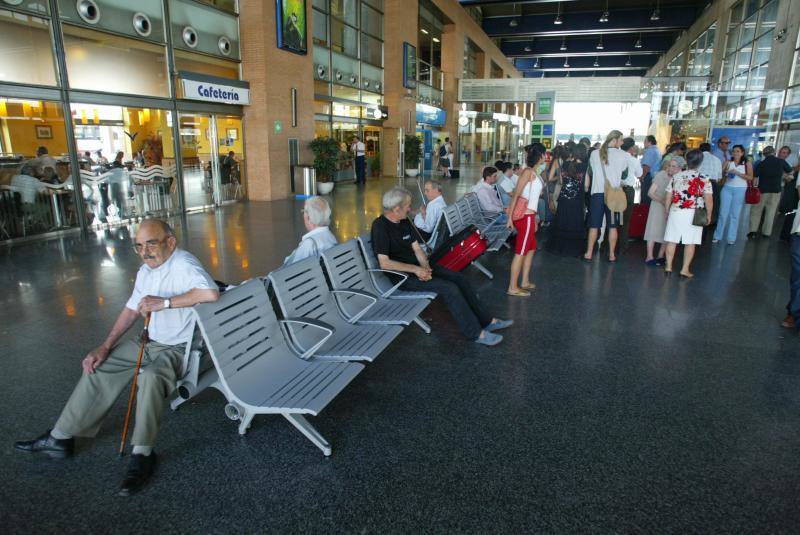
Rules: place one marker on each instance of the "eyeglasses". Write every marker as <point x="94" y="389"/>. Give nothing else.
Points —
<point x="724" y="142"/>
<point x="149" y="244"/>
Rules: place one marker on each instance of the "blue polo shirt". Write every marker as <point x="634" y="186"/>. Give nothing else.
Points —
<point x="652" y="159"/>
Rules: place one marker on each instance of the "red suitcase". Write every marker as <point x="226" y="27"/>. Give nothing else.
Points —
<point x="638" y="221"/>
<point x="460" y="250"/>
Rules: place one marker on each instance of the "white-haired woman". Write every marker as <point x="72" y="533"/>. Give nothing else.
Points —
<point x="316" y="218"/>
<point x="657" y="216"/>
<point x="397" y="248"/>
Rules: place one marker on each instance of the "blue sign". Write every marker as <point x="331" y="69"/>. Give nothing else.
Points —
<point x="430" y="115"/>
<point x="791" y="112"/>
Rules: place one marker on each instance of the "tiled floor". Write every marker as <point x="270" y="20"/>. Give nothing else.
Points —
<point x="621" y="401"/>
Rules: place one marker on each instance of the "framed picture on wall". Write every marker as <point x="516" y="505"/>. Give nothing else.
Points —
<point x="291" y="25"/>
<point x="44" y="131"/>
<point x="233" y="133"/>
<point x="409" y="66"/>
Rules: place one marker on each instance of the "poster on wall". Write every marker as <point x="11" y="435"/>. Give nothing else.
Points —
<point x="291" y="25"/>
<point x="409" y="66"/>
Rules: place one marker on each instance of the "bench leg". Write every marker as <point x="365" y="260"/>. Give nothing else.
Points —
<point x="482" y="269"/>
<point x="244" y="425"/>
<point x="308" y="430"/>
<point x="424" y="326"/>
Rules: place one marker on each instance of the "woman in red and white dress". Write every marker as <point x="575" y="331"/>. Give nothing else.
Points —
<point x="687" y="191"/>
<point x="529" y="188"/>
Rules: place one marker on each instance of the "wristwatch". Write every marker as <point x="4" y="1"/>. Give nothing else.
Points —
<point x="166" y="303"/>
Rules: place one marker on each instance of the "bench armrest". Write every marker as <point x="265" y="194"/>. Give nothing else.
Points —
<point x="311" y="323"/>
<point x="360" y="293"/>
<point x="391" y="290"/>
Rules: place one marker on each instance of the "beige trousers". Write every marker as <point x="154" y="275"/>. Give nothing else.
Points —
<point x="95" y="394"/>
<point x="767" y="207"/>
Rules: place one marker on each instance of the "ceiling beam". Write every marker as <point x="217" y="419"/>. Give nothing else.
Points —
<point x="587" y="23"/>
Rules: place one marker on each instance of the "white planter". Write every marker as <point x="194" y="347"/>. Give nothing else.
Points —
<point x="324" y="188"/>
<point x="412" y="173"/>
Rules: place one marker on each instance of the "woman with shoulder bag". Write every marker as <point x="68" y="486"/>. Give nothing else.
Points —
<point x="689" y="203"/>
<point x="522" y="216"/>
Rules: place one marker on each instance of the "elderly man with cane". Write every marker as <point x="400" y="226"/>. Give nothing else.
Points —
<point x="168" y="284"/>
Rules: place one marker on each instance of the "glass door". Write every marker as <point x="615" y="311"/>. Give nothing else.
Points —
<point x="201" y="174"/>
<point x="230" y="149"/>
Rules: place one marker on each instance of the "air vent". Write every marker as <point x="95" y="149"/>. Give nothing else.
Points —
<point x="88" y="11"/>
<point x="377" y="86"/>
<point x="338" y="75"/>
<point x="13" y="2"/>
<point x="189" y="36"/>
<point x="142" y="25"/>
<point x="366" y="83"/>
<point x="224" y="45"/>
<point x="353" y="79"/>
<point x="321" y="71"/>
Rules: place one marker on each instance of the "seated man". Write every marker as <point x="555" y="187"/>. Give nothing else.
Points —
<point x="397" y="249"/>
<point x="506" y="182"/>
<point x="428" y="215"/>
<point x="488" y="197"/>
<point x="319" y="238"/>
<point x="169" y="282"/>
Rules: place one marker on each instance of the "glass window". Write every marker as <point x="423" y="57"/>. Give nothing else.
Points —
<point x="769" y="16"/>
<point x="371" y="21"/>
<point x="345" y="92"/>
<point x="371" y="98"/>
<point x="371" y="50"/>
<point x="94" y="61"/>
<point x="347" y="10"/>
<point x="748" y="30"/>
<point x="225" y="5"/>
<point x="763" y="47"/>
<point x="737" y="12"/>
<point x="733" y="40"/>
<point x="26" y="54"/>
<point x="35" y="166"/>
<point x="200" y="63"/>
<point x="322" y="129"/>
<point x="321" y="4"/>
<point x="322" y="88"/>
<point x="751" y="6"/>
<point x="320" y="26"/>
<point x="377" y="4"/>
<point x="743" y="59"/>
<point x="757" y="77"/>
<point x="344" y="39"/>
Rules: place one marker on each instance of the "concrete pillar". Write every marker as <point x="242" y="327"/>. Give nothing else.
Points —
<point x="781" y="59"/>
<point x="453" y="69"/>
<point x="272" y="74"/>
<point x="401" y="23"/>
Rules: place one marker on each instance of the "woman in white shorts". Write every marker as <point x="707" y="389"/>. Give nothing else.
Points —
<point x="687" y="191"/>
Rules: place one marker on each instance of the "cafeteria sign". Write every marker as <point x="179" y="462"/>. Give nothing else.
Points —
<point x="213" y="89"/>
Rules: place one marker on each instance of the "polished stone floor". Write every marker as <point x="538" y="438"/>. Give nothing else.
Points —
<point x="621" y="401"/>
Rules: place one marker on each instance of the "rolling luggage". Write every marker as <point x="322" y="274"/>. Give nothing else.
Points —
<point x="460" y="250"/>
<point x="638" y="221"/>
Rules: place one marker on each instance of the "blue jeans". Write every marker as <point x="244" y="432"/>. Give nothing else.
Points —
<point x="731" y="201"/>
<point x="794" y="281"/>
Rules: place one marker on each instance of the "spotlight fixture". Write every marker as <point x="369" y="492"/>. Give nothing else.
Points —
<point x="423" y="30"/>
<point x="536" y="64"/>
<point x="558" y="15"/>
<point x="528" y="48"/>
<point x="605" y="15"/>
<point x="513" y="23"/>
<point x="638" y="43"/>
<point x="596" y="62"/>
<point x="600" y="44"/>
<point x="435" y="39"/>
<point x="566" y="63"/>
<point x="628" y="63"/>
<point x="563" y="46"/>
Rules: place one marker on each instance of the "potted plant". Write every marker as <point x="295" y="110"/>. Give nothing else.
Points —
<point x="375" y="165"/>
<point x="326" y="159"/>
<point x="413" y="152"/>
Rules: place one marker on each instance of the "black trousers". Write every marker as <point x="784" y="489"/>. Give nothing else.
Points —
<point x="459" y="298"/>
<point x="361" y="170"/>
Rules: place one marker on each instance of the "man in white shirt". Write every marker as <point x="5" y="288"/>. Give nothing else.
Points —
<point x="319" y="238"/>
<point x="608" y="163"/>
<point x="448" y="147"/>
<point x="428" y="215"/>
<point x="711" y="168"/>
<point x="506" y="182"/>
<point x="168" y="284"/>
<point x="359" y="151"/>
<point x="485" y="189"/>
<point x="792" y="319"/>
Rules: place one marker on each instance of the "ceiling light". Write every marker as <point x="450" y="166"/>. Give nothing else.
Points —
<point x="528" y="48"/>
<point x="596" y="62"/>
<point x="536" y="64"/>
<point x="600" y="44"/>
<point x="563" y="46"/>
<point x="605" y="15"/>
<point x="435" y="39"/>
<point x="513" y="23"/>
<point x="655" y="16"/>
<point x="638" y="43"/>
<point x="558" y="15"/>
<point x="628" y="63"/>
<point x="423" y="30"/>
<point x="566" y="63"/>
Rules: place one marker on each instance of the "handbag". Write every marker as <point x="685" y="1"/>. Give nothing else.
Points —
<point x="700" y="218"/>
<point x="752" y="195"/>
<point x="614" y="198"/>
<point x="519" y="208"/>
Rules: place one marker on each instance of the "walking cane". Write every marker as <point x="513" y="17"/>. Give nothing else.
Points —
<point x="131" y="400"/>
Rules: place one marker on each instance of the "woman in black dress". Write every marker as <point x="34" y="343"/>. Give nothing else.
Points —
<point x="569" y="230"/>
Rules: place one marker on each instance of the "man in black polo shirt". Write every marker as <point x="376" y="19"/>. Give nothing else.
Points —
<point x="397" y="249"/>
<point x="769" y="178"/>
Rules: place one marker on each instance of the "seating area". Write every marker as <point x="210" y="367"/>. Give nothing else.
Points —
<point x="295" y="358"/>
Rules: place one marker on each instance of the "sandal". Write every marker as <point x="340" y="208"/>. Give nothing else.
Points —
<point x="518" y="293"/>
<point x="686" y="275"/>
<point x="530" y="286"/>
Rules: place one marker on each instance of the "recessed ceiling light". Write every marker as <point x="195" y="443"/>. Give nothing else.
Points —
<point x="435" y="39"/>
<point x="423" y="30"/>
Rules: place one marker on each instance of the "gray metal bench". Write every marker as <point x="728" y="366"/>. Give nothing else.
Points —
<point x="347" y="271"/>
<point x="255" y="368"/>
<point x="302" y="292"/>
<point x="495" y="231"/>
<point x="382" y="284"/>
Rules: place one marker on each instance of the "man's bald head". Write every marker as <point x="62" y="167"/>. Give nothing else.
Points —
<point x="155" y="242"/>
